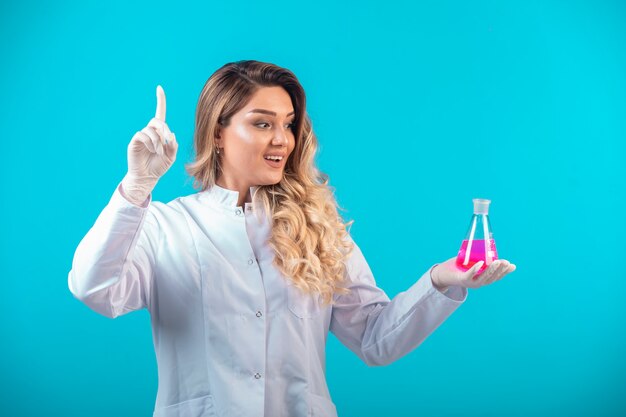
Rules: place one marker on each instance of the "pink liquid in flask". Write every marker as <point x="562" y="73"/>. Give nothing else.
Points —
<point x="478" y="252"/>
<point x="479" y="244"/>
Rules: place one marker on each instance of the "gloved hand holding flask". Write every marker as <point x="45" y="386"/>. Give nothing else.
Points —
<point x="151" y="152"/>
<point x="477" y="262"/>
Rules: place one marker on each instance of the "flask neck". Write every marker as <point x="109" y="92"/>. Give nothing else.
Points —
<point x="481" y="206"/>
<point x="479" y="228"/>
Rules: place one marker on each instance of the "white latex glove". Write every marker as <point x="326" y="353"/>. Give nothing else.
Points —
<point x="151" y="152"/>
<point x="447" y="274"/>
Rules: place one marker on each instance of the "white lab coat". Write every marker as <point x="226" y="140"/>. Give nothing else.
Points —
<point x="232" y="336"/>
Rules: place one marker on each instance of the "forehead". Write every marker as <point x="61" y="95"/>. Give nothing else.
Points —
<point x="275" y="99"/>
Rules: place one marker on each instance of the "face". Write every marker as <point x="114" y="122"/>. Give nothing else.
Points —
<point x="258" y="140"/>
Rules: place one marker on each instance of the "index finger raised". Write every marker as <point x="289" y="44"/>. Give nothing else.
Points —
<point x="160" y="109"/>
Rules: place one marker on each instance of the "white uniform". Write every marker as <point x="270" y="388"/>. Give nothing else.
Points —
<point x="232" y="336"/>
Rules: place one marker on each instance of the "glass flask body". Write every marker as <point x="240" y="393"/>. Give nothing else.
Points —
<point x="479" y="243"/>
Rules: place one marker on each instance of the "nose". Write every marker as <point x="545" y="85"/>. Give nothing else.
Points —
<point x="281" y="137"/>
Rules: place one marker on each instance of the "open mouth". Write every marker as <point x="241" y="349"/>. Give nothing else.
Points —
<point x="275" y="161"/>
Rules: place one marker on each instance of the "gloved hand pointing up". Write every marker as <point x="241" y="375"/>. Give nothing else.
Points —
<point x="151" y="152"/>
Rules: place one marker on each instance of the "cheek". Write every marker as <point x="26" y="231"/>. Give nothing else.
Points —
<point x="243" y="135"/>
<point x="244" y="145"/>
<point x="292" y="146"/>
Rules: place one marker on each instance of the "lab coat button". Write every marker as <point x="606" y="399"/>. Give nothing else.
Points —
<point x="259" y="314"/>
<point x="238" y="212"/>
<point x="257" y="375"/>
<point x="250" y="261"/>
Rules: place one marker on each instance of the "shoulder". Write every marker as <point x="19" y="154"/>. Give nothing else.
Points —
<point x="174" y="210"/>
<point x="355" y="258"/>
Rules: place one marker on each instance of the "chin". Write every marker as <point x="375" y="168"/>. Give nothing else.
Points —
<point x="270" y="181"/>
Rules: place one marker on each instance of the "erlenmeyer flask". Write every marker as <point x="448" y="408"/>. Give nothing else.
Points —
<point x="479" y="244"/>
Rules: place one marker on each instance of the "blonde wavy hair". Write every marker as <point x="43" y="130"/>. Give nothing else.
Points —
<point x="309" y="237"/>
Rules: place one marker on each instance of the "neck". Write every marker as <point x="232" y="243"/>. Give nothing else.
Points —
<point x="242" y="189"/>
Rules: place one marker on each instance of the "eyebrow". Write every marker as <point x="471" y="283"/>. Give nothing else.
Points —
<point x="271" y="113"/>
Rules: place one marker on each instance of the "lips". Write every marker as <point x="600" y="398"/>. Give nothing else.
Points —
<point x="274" y="164"/>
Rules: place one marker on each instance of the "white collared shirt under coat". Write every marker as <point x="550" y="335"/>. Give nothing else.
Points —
<point x="232" y="336"/>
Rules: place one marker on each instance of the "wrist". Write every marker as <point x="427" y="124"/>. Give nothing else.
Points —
<point x="137" y="190"/>
<point x="140" y="180"/>
<point x="434" y="277"/>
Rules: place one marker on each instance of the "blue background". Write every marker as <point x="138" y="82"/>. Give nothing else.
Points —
<point x="418" y="109"/>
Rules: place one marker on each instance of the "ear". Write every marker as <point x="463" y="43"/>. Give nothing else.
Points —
<point x="218" y="138"/>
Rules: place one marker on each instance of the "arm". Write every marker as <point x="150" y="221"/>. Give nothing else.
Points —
<point x="114" y="263"/>
<point x="380" y="330"/>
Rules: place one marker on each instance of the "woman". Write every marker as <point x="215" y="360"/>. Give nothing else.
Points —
<point x="244" y="279"/>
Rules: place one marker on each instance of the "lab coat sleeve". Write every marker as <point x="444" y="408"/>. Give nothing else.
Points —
<point x="380" y="330"/>
<point x="114" y="263"/>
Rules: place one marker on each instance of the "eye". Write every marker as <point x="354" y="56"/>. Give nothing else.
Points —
<point x="261" y="124"/>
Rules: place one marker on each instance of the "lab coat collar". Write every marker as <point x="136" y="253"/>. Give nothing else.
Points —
<point x="225" y="197"/>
